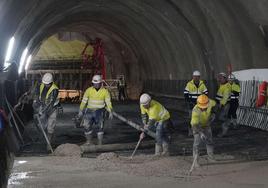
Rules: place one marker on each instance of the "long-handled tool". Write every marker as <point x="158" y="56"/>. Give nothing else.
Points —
<point x="138" y="144"/>
<point x="45" y="135"/>
<point x="193" y="165"/>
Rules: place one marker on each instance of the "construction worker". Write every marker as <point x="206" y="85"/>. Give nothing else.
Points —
<point x="45" y="104"/>
<point x="156" y="118"/>
<point x="121" y="89"/>
<point x="97" y="99"/>
<point x="193" y="89"/>
<point x="202" y="116"/>
<point x="234" y="100"/>
<point x="223" y="101"/>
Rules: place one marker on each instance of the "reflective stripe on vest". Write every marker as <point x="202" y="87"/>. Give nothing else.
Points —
<point x="96" y="104"/>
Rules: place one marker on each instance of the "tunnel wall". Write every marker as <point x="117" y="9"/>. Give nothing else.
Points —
<point x="161" y="39"/>
<point x="171" y="38"/>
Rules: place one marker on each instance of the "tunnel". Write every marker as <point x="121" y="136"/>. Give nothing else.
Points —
<point x="155" y="44"/>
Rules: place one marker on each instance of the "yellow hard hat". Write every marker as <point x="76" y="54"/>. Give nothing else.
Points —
<point x="202" y="101"/>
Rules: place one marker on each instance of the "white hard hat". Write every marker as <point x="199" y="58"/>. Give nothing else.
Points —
<point x="231" y="77"/>
<point x="47" y="78"/>
<point x="145" y="99"/>
<point x="96" y="79"/>
<point x="223" y="74"/>
<point x="196" y="73"/>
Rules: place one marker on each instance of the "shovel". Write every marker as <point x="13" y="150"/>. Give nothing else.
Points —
<point x="45" y="135"/>
<point x="138" y="144"/>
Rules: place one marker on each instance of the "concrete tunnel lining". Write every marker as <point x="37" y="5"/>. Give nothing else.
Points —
<point x="161" y="23"/>
<point x="164" y="40"/>
<point x="176" y="37"/>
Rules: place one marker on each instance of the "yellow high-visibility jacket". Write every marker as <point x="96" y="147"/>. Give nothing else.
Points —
<point x="156" y="112"/>
<point x="200" y="117"/>
<point x="192" y="92"/>
<point x="96" y="99"/>
<point x="47" y="99"/>
<point x="235" y="92"/>
<point x="224" y="93"/>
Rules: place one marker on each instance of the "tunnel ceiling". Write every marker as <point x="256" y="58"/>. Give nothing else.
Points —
<point x="148" y="39"/>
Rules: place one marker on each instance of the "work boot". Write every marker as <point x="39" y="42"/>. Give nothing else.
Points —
<point x="165" y="147"/>
<point x="89" y="139"/>
<point x="224" y="132"/>
<point x="211" y="158"/>
<point x="196" y="159"/>
<point x="100" y="137"/>
<point x="158" y="149"/>
<point x="196" y="164"/>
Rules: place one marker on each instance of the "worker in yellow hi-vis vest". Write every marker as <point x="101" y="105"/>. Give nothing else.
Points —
<point x="156" y="118"/>
<point x="234" y="99"/>
<point x="223" y="101"/>
<point x="202" y="116"/>
<point x="193" y="89"/>
<point x="45" y="104"/>
<point x="95" y="100"/>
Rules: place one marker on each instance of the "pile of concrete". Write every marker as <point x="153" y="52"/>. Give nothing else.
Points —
<point x="107" y="156"/>
<point x="70" y="150"/>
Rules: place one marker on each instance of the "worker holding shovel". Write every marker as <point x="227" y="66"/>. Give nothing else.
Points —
<point x="202" y="116"/>
<point x="156" y="117"/>
<point x="45" y="105"/>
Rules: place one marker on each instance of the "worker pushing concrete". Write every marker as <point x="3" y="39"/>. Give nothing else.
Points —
<point x="223" y="101"/>
<point x="156" y="118"/>
<point x="193" y="89"/>
<point x="202" y="116"/>
<point x="45" y="104"/>
<point x="97" y="99"/>
<point x="234" y="100"/>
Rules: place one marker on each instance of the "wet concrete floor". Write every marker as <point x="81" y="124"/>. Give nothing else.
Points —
<point x="34" y="168"/>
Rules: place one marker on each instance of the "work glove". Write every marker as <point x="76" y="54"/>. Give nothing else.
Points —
<point x="203" y="136"/>
<point x="142" y="135"/>
<point x="80" y="114"/>
<point x="196" y="129"/>
<point x="146" y="127"/>
<point x="40" y="113"/>
<point x="111" y="116"/>
<point x="212" y="117"/>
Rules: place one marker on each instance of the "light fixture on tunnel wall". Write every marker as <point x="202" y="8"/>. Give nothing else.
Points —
<point x="28" y="61"/>
<point x="9" y="52"/>
<point x="23" y="59"/>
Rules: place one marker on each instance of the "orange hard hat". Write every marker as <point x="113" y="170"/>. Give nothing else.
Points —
<point x="202" y="101"/>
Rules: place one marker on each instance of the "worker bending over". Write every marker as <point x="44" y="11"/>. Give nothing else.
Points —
<point x="202" y="116"/>
<point x="234" y="100"/>
<point x="95" y="100"/>
<point x="223" y="101"/>
<point x="193" y="89"/>
<point x="156" y="118"/>
<point x="45" y="104"/>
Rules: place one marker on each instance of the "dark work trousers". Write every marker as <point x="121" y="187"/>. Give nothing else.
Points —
<point x="233" y="107"/>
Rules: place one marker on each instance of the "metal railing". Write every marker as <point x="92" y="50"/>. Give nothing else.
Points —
<point x="248" y="113"/>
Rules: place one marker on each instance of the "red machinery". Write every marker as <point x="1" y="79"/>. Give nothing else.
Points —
<point x="96" y="61"/>
<point x="261" y="94"/>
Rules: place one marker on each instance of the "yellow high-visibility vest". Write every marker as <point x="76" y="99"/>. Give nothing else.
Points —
<point x="96" y="99"/>
<point x="224" y="93"/>
<point x="53" y="87"/>
<point x="194" y="91"/>
<point x="200" y="117"/>
<point x="156" y="112"/>
<point x="235" y="91"/>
